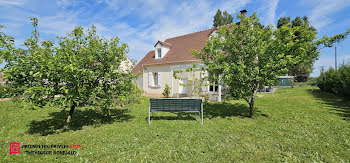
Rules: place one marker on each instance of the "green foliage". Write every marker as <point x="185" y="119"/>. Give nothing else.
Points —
<point x="283" y="21"/>
<point x="299" y="37"/>
<point x="218" y="19"/>
<point x="244" y="57"/>
<point x="336" y="81"/>
<point x="3" y="91"/>
<point x="194" y="77"/>
<point x="222" y="18"/>
<point x="166" y="92"/>
<point x="327" y="41"/>
<point x="83" y="69"/>
<point x="227" y="18"/>
<point x="8" y="92"/>
<point x="130" y="94"/>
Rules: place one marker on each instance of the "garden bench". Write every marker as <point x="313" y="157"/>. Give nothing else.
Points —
<point x="175" y="105"/>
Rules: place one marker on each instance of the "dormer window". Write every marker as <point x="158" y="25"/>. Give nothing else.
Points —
<point x="159" y="51"/>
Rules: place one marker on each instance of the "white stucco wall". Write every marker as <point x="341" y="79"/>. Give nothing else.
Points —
<point x="126" y="65"/>
<point x="164" y="50"/>
<point x="166" y="77"/>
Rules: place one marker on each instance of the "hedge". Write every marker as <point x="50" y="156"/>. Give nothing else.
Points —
<point x="336" y="82"/>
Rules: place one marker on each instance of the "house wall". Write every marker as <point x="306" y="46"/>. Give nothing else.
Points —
<point x="140" y="82"/>
<point x="126" y="65"/>
<point x="166" y="77"/>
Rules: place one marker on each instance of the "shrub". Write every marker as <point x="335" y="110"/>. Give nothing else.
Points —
<point x="312" y="81"/>
<point x="3" y="91"/>
<point x="166" y="92"/>
<point x="130" y="95"/>
<point x="336" y="82"/>
<point x="301" y="78"/>
<point x="7" y="92"/>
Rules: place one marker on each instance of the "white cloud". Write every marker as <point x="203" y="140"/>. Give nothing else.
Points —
<point x="138" y="23"/>
<point x="323" y="9"/>
<point x="268" y="11"/>
<point x="60" y="24"/>
<point x="12" y="2"/>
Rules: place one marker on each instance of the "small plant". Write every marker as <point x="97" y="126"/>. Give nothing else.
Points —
<point x="206" y="99"/>
<point x="166" y="92"/>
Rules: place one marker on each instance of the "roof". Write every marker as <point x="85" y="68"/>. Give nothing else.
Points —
<point x="162" y="43"/>
<point x="180" y="51"/>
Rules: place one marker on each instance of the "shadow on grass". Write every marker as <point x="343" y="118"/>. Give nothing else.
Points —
<point x="340" y="106"/>
<point x="225" y="110"/>
<point x="57" y="120"/>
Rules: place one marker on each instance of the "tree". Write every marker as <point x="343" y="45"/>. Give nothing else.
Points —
<point x="227" y="18"/>
<point x="244" y="58"/>
<point x="222" y="18"/>
<point x="248" y="56"/>
<point x="303" y="48"/>
<point x="194" y="77"/>
<point x="283" y="21"/>
<point x="81" y="70"/>
<point x="218" y="19"/>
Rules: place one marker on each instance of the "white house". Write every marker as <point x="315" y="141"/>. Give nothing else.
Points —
<point x="157" y="67"/>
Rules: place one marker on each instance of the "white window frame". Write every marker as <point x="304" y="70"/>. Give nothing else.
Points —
<point x="159" y="53"/>
<point x="154" y="79"/>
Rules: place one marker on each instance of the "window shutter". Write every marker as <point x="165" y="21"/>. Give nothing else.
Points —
<point x="149" y="79"/>
<point x="159" y="79"/>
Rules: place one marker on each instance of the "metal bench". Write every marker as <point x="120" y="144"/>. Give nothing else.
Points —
<point x="175" y="105"/>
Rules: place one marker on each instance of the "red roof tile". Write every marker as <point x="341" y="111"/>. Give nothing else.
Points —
<point x="181" y="49"/>
<point x="163" y="43"/>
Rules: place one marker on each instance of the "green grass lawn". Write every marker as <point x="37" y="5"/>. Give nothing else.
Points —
<point x="293" y="124"/>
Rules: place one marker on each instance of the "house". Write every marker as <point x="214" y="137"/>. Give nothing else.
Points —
<point x="157" y="67"/>
<point x="126" y="65"/>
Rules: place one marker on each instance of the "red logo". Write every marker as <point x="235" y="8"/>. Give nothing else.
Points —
<point x="15" y="148"/>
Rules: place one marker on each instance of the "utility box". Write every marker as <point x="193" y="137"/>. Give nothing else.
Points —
<point x="285" y="81"/>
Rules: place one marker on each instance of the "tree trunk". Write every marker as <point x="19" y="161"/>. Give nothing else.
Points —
<point x="251" y="106"/>
<point x="72" y="107"/>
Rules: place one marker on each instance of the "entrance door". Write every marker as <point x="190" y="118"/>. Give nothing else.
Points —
<point x="183" y="89"/>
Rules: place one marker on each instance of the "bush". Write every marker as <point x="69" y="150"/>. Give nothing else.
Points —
<point x="129" y="95"/>
<point x="312" y="81"/>
<point x="301" y="78"/>
<point x="166" y="92"/>
<point x="7" y="92"/>
<point x="336" y="82"/>
<point x="3" y="91"/>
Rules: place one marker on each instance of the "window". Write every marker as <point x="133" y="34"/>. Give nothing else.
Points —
<point x="155" y="78"/>
<point x="211" y="88"/>
<point x="159" y="51"/>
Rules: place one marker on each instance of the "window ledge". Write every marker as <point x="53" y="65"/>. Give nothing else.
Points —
<point x="155" y="86"/>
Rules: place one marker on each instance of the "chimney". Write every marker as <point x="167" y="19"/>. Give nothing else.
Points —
<point x="243" y="13"/>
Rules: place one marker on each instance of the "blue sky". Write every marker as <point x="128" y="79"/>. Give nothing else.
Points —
<point x="142" y="23"/>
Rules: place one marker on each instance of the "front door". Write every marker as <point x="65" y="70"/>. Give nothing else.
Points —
<point x="183" y="89"/>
